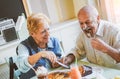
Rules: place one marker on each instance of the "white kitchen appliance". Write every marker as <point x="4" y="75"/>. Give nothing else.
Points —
<point x="7" y="31"/>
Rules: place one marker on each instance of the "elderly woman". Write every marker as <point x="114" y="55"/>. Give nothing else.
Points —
<point x="39" y="49"/>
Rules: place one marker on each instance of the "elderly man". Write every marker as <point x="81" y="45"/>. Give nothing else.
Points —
<point x="99" y="40"/>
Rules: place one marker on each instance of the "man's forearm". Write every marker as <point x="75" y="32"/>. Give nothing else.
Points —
<point x="114" y="53"/>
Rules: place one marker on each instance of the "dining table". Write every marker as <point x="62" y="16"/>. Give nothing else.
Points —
<point x="99" y="72"/>
<point x="102" y="71"/>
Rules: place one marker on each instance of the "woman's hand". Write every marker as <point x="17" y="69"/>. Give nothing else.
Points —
<point x="55" y="65"/>
<point x="49" y="55"/>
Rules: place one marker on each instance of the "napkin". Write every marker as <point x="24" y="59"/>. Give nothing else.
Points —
<point x="41" y="71"/>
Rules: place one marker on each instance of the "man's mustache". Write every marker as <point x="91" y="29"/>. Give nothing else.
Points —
<point x="88" y="31"/>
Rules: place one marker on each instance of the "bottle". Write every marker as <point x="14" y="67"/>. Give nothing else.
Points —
<point x="75" y="73"/>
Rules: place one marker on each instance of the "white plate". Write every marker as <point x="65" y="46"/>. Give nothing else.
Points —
<point x="94" y="75"/>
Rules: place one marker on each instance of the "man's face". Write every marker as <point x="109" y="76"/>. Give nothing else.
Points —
<point x="42" y="35"/>
<point x="88" y="24"/>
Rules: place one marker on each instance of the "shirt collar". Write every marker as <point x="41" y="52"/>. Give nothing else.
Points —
<point x="50" y="43"/>
<point x="100" y="29"/>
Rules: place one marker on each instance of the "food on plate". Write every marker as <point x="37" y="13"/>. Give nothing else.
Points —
<point x="42" y="77"/>
<point x="85" y="70"/>
<point x="65" y="74"/>
<point x="59" y="75"/>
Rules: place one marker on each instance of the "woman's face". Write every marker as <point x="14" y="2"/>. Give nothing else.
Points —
<point x="42" y="35"/>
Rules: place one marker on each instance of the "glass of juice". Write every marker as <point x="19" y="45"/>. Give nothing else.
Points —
<point x="74" y="72"/>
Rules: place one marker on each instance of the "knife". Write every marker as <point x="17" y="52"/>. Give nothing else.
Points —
<point x="63" y="65"/>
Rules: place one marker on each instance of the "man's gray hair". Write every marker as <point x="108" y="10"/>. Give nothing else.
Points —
<point x="90" y="10"/>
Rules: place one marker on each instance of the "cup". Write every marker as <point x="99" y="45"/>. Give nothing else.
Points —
<point x="75" y="73"/>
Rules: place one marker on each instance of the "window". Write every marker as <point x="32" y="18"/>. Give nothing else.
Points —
<point x="110" y="10"/>
<point x="56" y="10"/>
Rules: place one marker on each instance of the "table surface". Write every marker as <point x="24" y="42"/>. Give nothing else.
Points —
<point x="107" y="73"/>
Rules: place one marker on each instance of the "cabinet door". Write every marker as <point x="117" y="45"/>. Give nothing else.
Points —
<point x="69" y="35"/>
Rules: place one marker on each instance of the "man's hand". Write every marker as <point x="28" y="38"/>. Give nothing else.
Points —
<point x="105" y="48"/>
<point x="65" y="60"/>
<point x="68" y="59"/>
<point x="99" y="44"/>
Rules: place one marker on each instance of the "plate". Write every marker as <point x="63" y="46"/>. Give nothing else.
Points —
<point x="95" y="72"/>
<point x="59" y="74"/>
<point x="64" y="74"/>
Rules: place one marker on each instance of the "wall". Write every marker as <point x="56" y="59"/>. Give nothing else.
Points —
<point x="65" y="9"/>
<point x="67" y="32"/>
<point x="78" y="4"/>
<point x="11" y="9"/>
